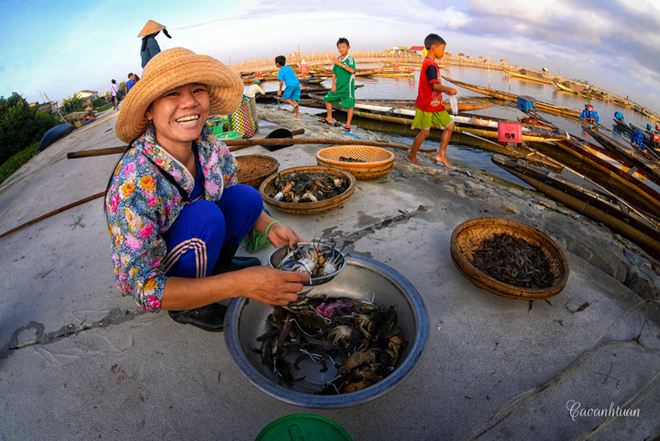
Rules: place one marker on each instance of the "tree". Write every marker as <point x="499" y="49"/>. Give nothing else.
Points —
<point x="71" y="104"/>
<point x="21" y="126"/>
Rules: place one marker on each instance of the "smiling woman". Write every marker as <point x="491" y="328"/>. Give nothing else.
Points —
<point x="175" y="210"/>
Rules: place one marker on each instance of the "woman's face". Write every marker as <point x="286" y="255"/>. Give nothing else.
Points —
<point x="179" y="115"/>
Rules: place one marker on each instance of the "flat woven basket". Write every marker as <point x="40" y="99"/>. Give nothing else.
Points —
<point x="377" y="162"/>
<point x="267" y="190"/>
<point x="469" y="235"/>
<point x="253" y="169"/>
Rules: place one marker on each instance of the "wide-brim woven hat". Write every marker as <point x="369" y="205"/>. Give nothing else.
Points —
<point x="170" y="69"/>
<point x="150" y="28"/>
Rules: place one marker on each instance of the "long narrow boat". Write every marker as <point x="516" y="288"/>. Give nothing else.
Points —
<point x="645" y="162"/>
<point x="606" y="169"/>
<point x="477" y="125"/>
<point x="569" y="112"/>
<point x="532" y="76"/>
<point x="590" y="202"/>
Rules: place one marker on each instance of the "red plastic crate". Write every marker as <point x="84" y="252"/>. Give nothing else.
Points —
<point x="509" y="132"/>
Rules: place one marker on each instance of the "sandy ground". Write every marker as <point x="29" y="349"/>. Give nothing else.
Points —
<point x="78" y="361"/>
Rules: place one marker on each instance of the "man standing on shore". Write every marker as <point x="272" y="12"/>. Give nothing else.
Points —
<point x="114" y="90"/>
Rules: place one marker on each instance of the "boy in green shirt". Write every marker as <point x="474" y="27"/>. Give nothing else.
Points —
<point x="343" y="84"/>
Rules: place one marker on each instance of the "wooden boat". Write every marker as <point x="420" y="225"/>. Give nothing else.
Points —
<point x="606" y="169"/>
<point x="477" y="125"/>
<point x="530" y="75"/>
<point x="645" y="161"/>
<point x="600" y="206"/>
<point x="569" y="112"/>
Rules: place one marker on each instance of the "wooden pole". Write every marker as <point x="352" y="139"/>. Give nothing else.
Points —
<point x="59" y="210"/>
<point x="238" y="144"/>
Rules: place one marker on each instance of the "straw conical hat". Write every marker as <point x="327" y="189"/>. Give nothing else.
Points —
<point x="150" y="28"/>
<point x="168" y="70"/>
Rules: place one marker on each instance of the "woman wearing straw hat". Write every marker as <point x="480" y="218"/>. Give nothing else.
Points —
<point x="149" y="44"/>
<point x="175" y="211"/>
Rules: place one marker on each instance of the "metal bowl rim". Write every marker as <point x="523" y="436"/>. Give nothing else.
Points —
<point x="345" y="400"/>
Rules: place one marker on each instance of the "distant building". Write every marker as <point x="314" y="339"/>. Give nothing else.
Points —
<point x="87" y="96"/>
<point x="417" y="49"/>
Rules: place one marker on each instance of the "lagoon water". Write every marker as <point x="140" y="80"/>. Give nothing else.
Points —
<point x="406" y="88"/>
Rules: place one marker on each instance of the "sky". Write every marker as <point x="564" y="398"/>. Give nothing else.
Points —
<point x="57" y="48"/>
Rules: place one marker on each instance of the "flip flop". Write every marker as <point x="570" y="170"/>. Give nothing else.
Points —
<point x="347" y="129"/>
<point x="325" y="121"/>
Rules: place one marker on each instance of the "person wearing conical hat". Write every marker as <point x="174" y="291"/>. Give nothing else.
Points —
<point x="175" y="209"/>
<point x="149" y="44"/>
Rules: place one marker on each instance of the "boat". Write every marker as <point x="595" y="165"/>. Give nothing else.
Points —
<point x="645" y="160"/>
<point x="565" y="88"/>
<point x="54" y="134"/>
<point x="531" y="75"/>
<point x="591" y="202"/>
<point x="569" y="112"/>
<point x="606" y="169"/>
<point x="477" y="125"/>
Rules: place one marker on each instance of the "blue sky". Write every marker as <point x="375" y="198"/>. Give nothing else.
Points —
<point x="61" y="47"/>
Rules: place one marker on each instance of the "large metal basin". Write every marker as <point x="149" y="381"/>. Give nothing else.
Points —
<point x="363" y="279"/>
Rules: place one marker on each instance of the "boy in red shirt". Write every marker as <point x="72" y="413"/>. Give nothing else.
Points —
<point x="428" y="107"/>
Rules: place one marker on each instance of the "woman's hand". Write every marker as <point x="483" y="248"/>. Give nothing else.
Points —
<point x="268" y="285"/>
<point x="279" y="235"/>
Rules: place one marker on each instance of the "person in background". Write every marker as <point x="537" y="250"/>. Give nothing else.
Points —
<point x="343" y="84"/>
<point x="429" y="109"/>
<point x="175" y="209"/>
<point x="255" y="89"/>
<point x="287" y="77"/>
<point x="589" y="114"/>
<point x="149" y="44"/>
<point x="303" y="68"/>
<point x="130" y="83"/>
<point x="114" y="91"/>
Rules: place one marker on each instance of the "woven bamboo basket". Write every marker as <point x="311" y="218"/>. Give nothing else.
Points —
<point x="377" y="162"/>
<point x="253" y="169"/>
<point x="469" y="235"/>
<point x="267" y="190"/>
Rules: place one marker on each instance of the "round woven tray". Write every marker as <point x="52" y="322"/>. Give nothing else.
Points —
<point x="267" y="190"/>
<point x="468" y="236"/>
<point x="253" y="169"/>
<point x="378" y="162"/>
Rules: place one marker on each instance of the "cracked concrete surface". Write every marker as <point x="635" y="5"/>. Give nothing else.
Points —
<point x="78" y="361"/>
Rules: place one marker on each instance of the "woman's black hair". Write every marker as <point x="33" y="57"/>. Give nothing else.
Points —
<point x="146" y="38"/>
<point x="281" y="60"/>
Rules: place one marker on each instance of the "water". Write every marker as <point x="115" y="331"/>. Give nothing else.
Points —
<point x="406" y="88"/>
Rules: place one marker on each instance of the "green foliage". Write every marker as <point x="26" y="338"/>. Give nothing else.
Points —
<point x="16" y="161"/>
<point x="122" y="87"/>
<point x="104" y="108"/>
<point x="71" y="104"/>
<point x="98" y="102"/>
<point x="21" y="126"/>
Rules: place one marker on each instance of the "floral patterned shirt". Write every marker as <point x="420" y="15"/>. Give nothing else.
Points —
<point x="141" y="204"/>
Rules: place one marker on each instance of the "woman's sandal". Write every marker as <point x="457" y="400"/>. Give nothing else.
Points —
<point x="325" y="121"/>
<point x="347" y="128"/>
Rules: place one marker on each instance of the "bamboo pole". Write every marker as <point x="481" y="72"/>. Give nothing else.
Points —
<point x="59" y="210"/>
<point x="238" y="144"/>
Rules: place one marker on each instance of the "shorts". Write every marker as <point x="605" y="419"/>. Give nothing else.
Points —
<point x="291" y="93"/>
<point x="424" y="120"/>
<point x="346" y="101"/>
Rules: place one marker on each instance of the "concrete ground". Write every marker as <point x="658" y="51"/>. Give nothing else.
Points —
<point x="80" y="362"/>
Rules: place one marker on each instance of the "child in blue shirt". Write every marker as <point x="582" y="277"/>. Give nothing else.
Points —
<point x="288" y="77"/>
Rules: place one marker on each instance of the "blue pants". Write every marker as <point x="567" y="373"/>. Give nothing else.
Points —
<point x="203" y="227"/>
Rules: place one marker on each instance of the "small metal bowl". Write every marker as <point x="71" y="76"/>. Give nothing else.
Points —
<point x="276" y="257"/>
<point x="362" y="279"/>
